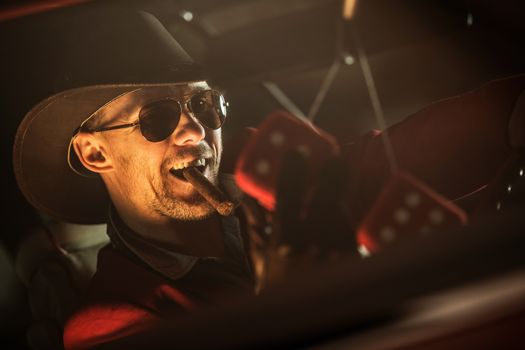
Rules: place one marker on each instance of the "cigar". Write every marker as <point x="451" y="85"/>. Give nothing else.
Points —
<point x="209" y="191"/>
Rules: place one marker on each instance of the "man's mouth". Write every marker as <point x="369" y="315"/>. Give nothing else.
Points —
<point x="200" y="164"/>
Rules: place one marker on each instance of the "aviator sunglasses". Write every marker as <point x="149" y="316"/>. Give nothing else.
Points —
<point x="158" y="119"/>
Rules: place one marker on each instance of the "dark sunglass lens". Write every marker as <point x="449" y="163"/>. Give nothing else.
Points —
<point x="159" y="119"/>
<point x="209" y="107"/>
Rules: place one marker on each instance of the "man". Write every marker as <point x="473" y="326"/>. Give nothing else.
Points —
<point x="111" y="146"/>
<point x="170" y="249"/>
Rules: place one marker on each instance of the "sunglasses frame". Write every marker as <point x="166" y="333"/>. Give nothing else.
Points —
<point x="185" y="104"/>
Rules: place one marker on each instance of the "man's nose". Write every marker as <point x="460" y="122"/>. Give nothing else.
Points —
<point x="189" y="130"/>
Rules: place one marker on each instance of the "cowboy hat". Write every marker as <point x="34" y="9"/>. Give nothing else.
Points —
<point x="102" y="55"/>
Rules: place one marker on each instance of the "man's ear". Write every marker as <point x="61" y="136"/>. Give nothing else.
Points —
<point x="92" y="153"/>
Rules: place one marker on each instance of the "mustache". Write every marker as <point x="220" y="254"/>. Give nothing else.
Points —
<point x="201" y="150"/>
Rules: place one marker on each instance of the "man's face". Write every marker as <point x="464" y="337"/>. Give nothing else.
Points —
<point x="142" y="171"/>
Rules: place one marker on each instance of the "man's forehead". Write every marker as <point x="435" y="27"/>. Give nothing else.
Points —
<point x="174" y="90"/>
<point x="149" y="93"/>
<point x="126" y="104"/>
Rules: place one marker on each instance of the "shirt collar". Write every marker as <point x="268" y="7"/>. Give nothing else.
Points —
<point x="168" y="263"/>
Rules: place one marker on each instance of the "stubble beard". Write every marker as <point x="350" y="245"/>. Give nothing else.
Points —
<point x="166" y="202"/>
<point x="191" y="207"/>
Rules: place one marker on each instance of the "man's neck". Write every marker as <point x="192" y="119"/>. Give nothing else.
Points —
<point x="202" y="238"/>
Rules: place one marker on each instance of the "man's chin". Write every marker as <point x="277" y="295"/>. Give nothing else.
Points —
<point x="194" y="213"/>
<point x="190" y="198"/>
<point x="191" y="207"/>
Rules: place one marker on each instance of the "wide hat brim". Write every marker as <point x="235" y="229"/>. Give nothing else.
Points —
<point x="123" y="52"/>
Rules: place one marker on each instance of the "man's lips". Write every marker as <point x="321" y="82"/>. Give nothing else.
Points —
<point x="199" y="163"/>
<point x="196" y="162"/>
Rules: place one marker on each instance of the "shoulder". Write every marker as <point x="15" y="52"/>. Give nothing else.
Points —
<point x="124" y="298"/>
<point x="125" y="278"/>
<point x="102" y="323"/>
<point x="117" y="273"/>
<point x="110" y="310"/>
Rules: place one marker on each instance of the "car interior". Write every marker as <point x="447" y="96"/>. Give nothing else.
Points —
<point x="349" y="67"/>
